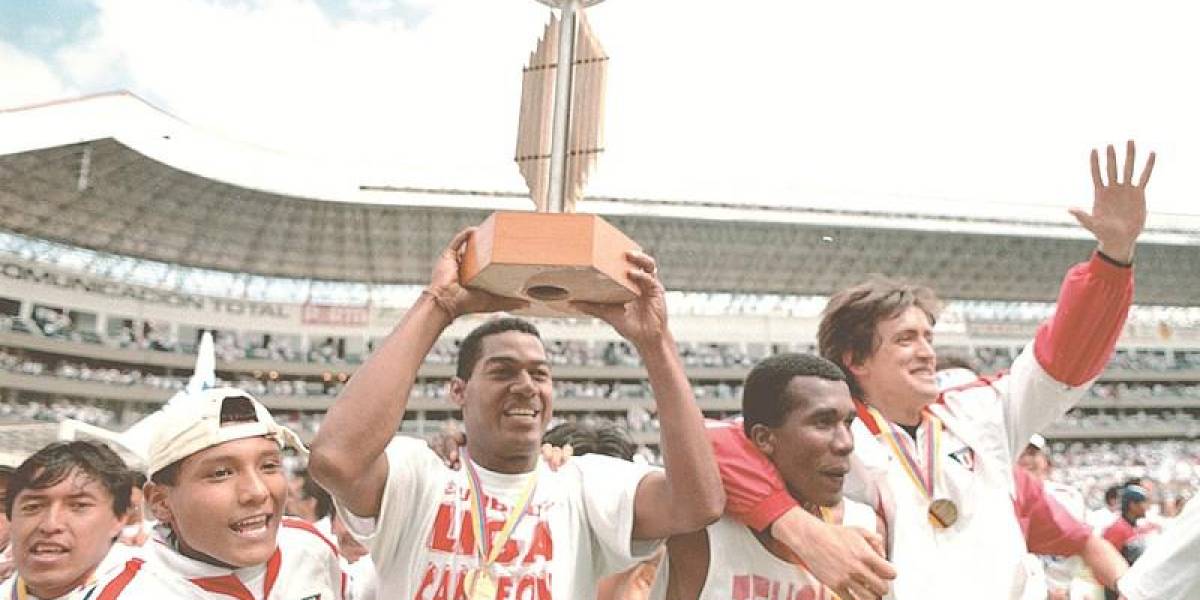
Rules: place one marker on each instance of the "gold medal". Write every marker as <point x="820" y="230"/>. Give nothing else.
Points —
<point x="943" y="513"/>
<point x="480" y="585"/>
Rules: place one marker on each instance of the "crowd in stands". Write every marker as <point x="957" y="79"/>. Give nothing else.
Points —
<point x="1123" y="394"/>
<point x="1127" y="421"/>
<point x="578" y="353"/>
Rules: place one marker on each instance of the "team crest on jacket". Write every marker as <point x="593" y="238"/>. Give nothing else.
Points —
<point x="964" y="456"/>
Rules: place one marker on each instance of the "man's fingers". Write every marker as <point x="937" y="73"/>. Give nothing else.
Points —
<point x="642" y="260"/>
<point x="1096" y="181"/>
<point x="459" y="240"/>
<point x="864" y="591"/>
<point x="1129" y="153"/>
<point x="1146" y="173"/>
<point x="1112" y="165"/>
<point x="881" y="567"/>
<point x="647" y="283"/>
<point x="864" y="588"/>
<point x="876" y="543"/>
<point x="875" y="540"/>
<point x="1085" y="219"/>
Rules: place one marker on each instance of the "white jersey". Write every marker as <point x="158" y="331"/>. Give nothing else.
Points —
<point x="423" y="544"/>
<point x="740" y="567"/>
<point x="986" y="424"/>
<point x="1170" y="569"/>
<point x="305" y="565"/>
<point x="363" y="581"/>
<point x="7" y="591"/>
<point x="115" y="560"/>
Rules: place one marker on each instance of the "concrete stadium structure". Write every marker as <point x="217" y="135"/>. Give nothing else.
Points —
<point x="121" y="220"/>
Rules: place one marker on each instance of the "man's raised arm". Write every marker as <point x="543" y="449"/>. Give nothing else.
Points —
<point x="347" y="454"/>
<point x="688" y="495"/>
<point x="1073" y="347"/>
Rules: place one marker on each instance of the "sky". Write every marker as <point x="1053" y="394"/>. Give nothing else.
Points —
<point x="928" y="105"/>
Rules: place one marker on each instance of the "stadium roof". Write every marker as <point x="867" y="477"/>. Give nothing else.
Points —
<point x="114" y="175"/>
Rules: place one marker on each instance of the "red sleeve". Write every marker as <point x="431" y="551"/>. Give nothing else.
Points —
<point x="1119" y="533"/>
<point x="1075" y="344"/>
<point x="754" y="491"/>
<point x="1024" y="501"/>
<point x="1048" y="527"/>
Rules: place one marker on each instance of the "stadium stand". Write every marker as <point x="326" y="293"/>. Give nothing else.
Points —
<point x="108" y="281"/>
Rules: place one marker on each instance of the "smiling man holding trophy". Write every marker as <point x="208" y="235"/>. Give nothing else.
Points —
<point x="506" y="525"/>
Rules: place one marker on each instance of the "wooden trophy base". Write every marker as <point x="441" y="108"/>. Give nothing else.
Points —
<point x="550" y="259"/>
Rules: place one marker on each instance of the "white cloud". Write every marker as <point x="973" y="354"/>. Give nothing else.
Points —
<point x="28" y="79"/>
<point x="869" y="103"/>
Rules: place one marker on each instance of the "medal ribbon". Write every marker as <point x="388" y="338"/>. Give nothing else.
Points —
<point x="933" y="447"/>
<point x="489" y="550"/>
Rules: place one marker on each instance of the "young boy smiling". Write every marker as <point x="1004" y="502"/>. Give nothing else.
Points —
<point x="218" y="489"/>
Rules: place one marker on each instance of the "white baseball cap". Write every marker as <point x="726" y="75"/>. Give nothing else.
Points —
<point x="192" y="424"/>
<point x="1037" y="441"/>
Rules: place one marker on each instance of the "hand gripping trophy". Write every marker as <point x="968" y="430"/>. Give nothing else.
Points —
<point x="555" y="255"/>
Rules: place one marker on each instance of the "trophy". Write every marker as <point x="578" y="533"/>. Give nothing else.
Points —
<point x="554" y="255"/>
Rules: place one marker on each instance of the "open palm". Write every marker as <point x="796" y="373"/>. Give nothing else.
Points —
<point x="1119" y="208"/>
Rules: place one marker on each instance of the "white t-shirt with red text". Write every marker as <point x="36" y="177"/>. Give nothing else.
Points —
<point x="579" y="527"/>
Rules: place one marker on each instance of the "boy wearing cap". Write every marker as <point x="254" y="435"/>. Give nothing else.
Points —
<point x="218" y="489"/>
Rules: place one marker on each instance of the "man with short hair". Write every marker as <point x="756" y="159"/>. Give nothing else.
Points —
<point x="66" y="503"/>
<point x="797" y="411"/>
<point x="218" y="488"/>
<point x="506" y="526"/>
<point x="1123" y="533"/>
<point x="1101" y="518"/>
<point x="592" y="436"/>
<point x="939" y="465"/>
<point x="309" y="502"/>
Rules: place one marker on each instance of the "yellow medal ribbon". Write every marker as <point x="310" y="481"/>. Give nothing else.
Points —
<point x="942" y="512"/>
<point x="480" y="583"/>
<point x="923" y="481"/>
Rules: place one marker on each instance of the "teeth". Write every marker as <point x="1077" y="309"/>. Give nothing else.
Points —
<point x="522" y="412"/>
<point x="259" y="522"/>
<point x="48" y="549"/>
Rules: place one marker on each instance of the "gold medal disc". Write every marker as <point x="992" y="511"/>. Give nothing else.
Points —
<point x="480" y="585"/>
<point x="943" y="513"/>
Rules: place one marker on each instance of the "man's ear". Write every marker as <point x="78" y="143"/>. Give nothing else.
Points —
<point x="458" y="390"/>
<point x="763" y="438"/>
<point x="118" y="522"/>
<point x="856" y="369"/>
<point x="156" y="499"/>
